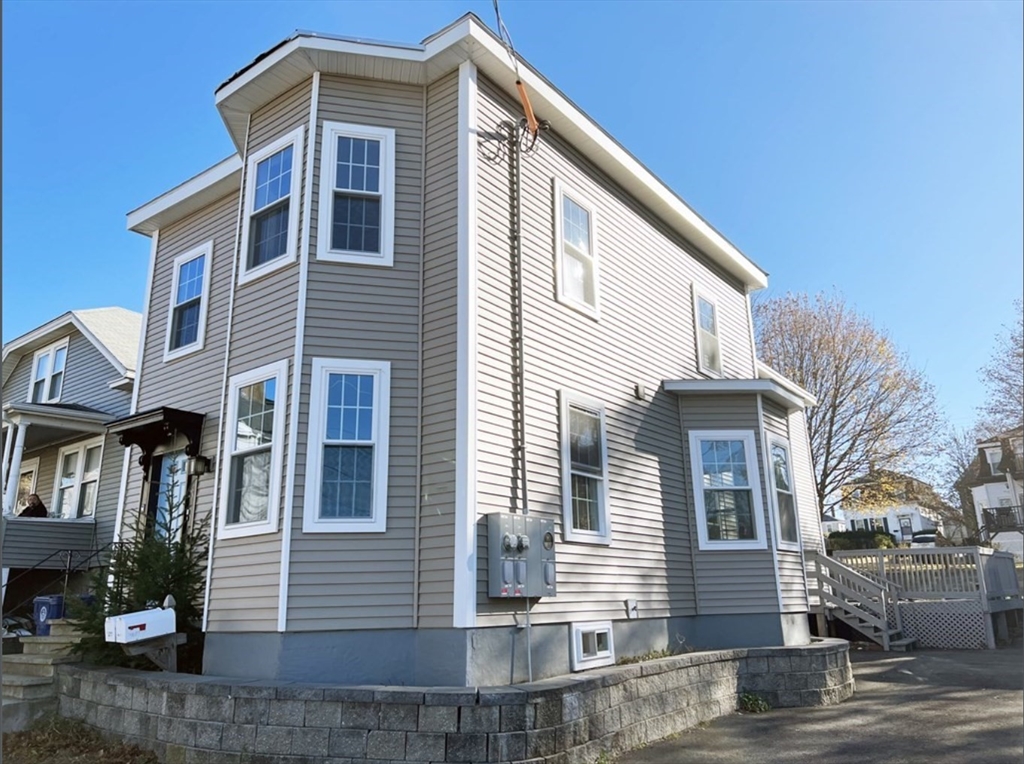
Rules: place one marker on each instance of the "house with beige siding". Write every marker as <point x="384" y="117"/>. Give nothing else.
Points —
<point x="417" y="321"/>
<point x="63" y="382"/>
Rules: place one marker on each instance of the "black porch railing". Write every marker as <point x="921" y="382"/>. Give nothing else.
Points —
<point x="999" y="519"/>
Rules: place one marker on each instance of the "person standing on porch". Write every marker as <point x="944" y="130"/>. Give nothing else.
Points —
<point x="35" y="507"/>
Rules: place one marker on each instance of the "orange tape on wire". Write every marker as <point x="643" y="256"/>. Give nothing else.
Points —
<point x="531" y="119"/>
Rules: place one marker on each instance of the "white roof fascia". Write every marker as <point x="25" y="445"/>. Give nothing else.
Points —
<point x="765" y="387"/>
<point x="767" y="372"/>
<point x="190" y="196"/>
<point x="67" y="319"/>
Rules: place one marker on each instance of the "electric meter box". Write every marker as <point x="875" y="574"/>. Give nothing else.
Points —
<point x="520" y="556"/>
<point x="139" y="626"/>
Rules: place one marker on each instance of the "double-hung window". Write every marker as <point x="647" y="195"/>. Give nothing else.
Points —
<point x="253" y="447"/>
<point x="709" y="350"/>
<point x="357" y="198"/>
<point x="584" y="470"/>
<point x="576" y="251"/>
<point x="347" y="454"/>
<point x="78" y="477"/>
<point x="785" y="500"/>
<point x="48" y="373"/>
<point x="270" y="225"/>
<point x="190" y="289"/>
<point x="727" y="493"/>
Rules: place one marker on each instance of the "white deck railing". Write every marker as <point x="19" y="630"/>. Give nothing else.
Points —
<point x="941" y="573"/>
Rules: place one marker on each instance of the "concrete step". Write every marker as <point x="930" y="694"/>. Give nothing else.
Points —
<point x="22" y="714"/>
<point x="48" y="645"/>
<point x="903" y="645"/>
<point x="22" y="687"/>
<point x="61" y="627"/>
<point x="34" y="665"/>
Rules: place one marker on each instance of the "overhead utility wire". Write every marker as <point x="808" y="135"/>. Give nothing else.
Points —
<point x="531" y="119"/>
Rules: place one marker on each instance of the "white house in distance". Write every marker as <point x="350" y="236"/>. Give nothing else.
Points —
<point x="998" y="490"/>
<point x="912" y="507"/>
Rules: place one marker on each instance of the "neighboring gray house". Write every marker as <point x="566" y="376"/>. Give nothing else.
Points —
<point x="62" y="383"/>
<point x="360" y="382"/>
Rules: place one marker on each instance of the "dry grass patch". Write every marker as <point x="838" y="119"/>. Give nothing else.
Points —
<point x="61" y="741"/>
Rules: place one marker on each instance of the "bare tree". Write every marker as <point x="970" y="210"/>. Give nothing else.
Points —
<point x="875" y="411"/>
<point x="1003" y="377"/>
<point x="958" y="466"/>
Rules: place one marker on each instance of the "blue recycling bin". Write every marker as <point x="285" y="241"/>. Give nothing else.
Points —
<point x="47" y="608"/>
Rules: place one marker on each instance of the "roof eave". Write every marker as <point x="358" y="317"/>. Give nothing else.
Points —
<point x="192" y="195"/>
<point x="469" y="39"/>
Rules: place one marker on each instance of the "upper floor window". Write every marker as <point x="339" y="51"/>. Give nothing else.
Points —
<point x="994" y="457"/>
<point x="726" y="487"/>
<point x="357" y="198"/>
<point x="709" y="352"/>
<point x="584" y="470"/>
<point x="785" y="501"/>
<point x="78" y="477"/>
<point x="576" y="251"/>
<point x="190" y="289"/>
<point x="48" y="373"/>
<point x="347" y="456"/>
<point x="253" y="448"/>
<point x="270" y="226"/>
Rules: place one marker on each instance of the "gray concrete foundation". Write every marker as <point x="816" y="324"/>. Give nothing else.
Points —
<point x="468" y="657"/>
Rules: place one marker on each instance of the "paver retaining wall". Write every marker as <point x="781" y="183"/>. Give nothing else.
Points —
<point x="190" y="719"/>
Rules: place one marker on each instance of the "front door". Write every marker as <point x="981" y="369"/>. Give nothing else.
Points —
<point x="168" y="494"/>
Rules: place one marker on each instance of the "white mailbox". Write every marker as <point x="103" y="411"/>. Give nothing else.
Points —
<point x="136" y="627"/>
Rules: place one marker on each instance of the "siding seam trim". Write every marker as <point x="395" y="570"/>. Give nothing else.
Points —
<point x="418" y="501"/>
<point x="796" y="507"/>
<point x="464" y="578"/>
<point x="691" y="512"/>
<point x="288" y="510"/>
<point x="218" y="475"/>
<point x="122" y="494"/>
<point x="769" y="504"/>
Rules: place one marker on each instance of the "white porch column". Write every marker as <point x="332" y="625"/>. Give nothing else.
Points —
<point x="8" y="442"/>
<point x="12" y="483"/>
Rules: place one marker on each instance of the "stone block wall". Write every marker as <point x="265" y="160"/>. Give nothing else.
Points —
<point x="210" y="720"/>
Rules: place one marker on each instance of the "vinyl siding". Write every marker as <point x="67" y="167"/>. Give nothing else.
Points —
<point x="86" y="378"/>
<point x="440" y="285"/>
<point x="244" y="581"/>
<point x="645" y="335"/>
<point x="729" y="581"/>
<point x="792" y="585"/>
<point x="27" y="543"/>
<point x="361" y="581"/>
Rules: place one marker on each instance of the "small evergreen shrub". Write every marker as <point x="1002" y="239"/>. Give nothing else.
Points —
<point x="156" y="557"/>
<point x="844" y="540"/>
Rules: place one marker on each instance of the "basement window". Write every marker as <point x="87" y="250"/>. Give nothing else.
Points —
<point x="592" y="645"/>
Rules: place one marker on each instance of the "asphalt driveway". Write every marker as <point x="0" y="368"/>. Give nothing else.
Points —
<point x="948" y="707"/>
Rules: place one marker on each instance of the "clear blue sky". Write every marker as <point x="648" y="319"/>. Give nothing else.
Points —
<point x="875" y="148"/>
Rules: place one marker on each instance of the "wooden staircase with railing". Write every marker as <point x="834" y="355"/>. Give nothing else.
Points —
<point x="29" y="689"/>
<point x="864" y="602"/>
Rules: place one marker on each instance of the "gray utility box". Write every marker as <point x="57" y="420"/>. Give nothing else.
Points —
<point x="520" y="556"/>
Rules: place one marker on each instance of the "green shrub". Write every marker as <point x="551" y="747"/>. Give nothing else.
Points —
<point x="155" y="560"/>
<point x="843" y="540"/>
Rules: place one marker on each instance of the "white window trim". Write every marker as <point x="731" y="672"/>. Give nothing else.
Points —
<point x="205" y="250"/>
<point x="604" y="537"/>
<point x="295" y="138"/>
<point x="792" y="546"/>
<point x="29" y="465"/>
<point x="279" y="372"/>
<point x="697" y="471"/>
<point x="329" y="143"/>
<point x="560" y="190"/>
<point x="698" y="295"/>
<point x="81" y="447"/>
<point x="993" y="463"/>
<point x="52" y="351"/>
<point x="381" y="371"/>
<point x="581" y="663"/>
